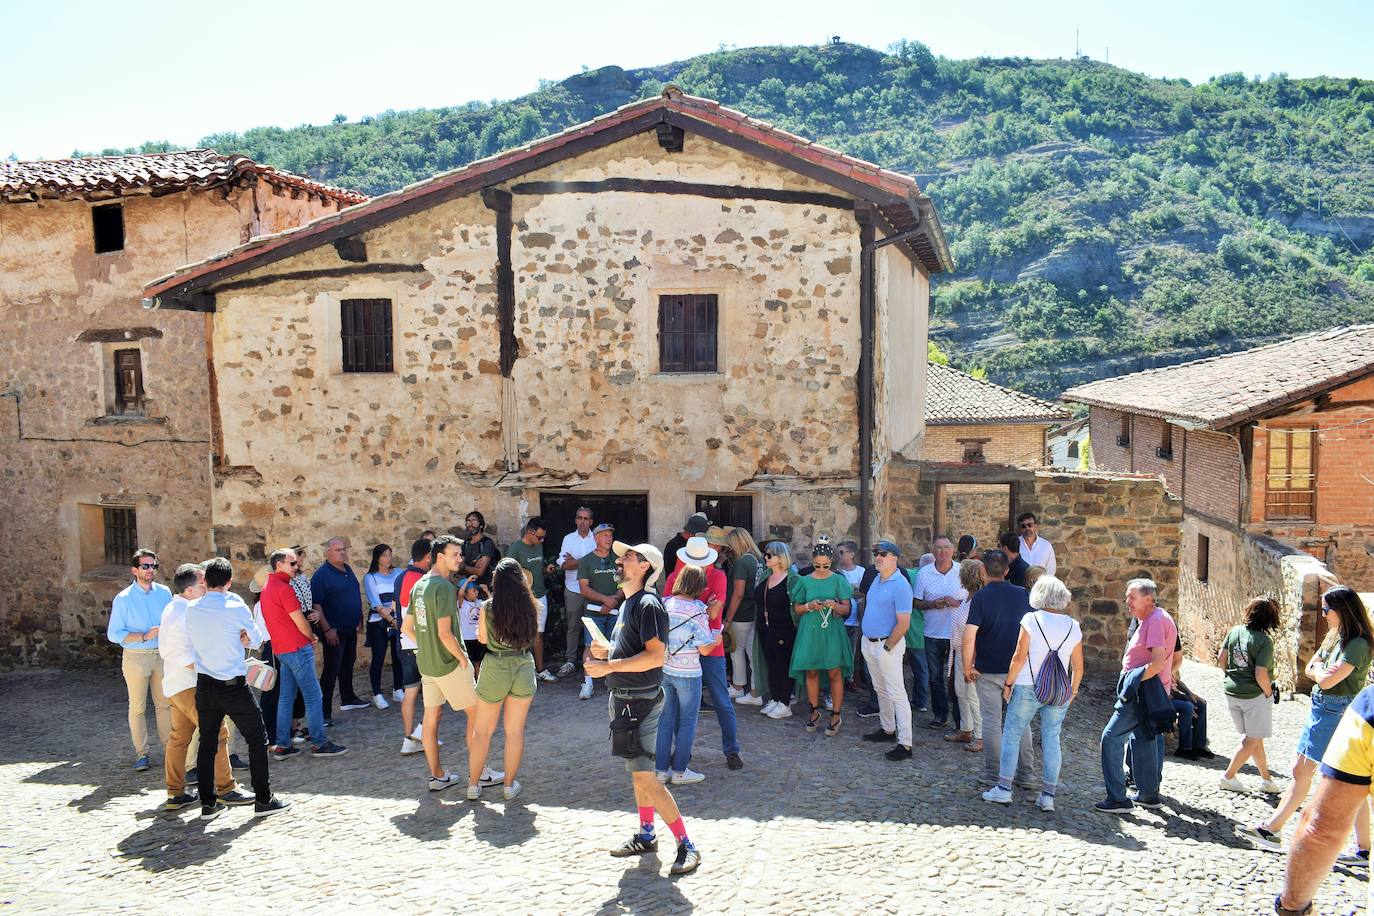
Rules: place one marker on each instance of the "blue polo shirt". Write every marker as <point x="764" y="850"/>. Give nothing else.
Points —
<point x="137" y="611"/>
<point x="338" y="592"/>
<point x="885" y="599"/>
<point x="996" y="610"/>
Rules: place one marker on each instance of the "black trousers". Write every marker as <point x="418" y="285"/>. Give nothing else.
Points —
<point x="777" y="653"/>
<point x="215" y="700"/>
<point x="339" y="662"/>
<point x="380" y="638"/>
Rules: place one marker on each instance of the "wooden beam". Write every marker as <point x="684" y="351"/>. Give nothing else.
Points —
<point x="352" y="270"/>
<point x="499" y="201"/>
<point x="653" y="186"/>
<point x="117" y="335"/>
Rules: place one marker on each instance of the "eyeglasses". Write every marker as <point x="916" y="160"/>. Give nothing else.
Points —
<point x="147" y="566"/>
<point x="820" y="565"/>
<point x="883" y="553"/>
<point x="769" y="556"/>
<point x="293" y="564"/>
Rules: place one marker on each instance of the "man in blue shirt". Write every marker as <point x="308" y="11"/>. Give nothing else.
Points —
<point x="135" y="617"/>
<point x="994" y="626"/>
<point x="219" y="627"/>
<point x="887" y="614"/>
<point x="335" y="588"/>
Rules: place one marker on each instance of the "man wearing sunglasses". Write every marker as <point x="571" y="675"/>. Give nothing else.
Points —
<point x="135" y="617"/>
<point x="887" y="614"/>
<point x="1035" y="550"/>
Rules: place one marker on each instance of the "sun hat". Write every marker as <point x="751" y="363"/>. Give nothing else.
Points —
<point x="259" y="580"/>
<point x="715" y="535"/>
<point x="648" y="552"/>
<point x="697" y="552"/>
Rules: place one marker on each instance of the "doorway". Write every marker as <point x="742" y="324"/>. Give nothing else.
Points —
<point x="628" y="512"/>
<point x="983" y="510"/>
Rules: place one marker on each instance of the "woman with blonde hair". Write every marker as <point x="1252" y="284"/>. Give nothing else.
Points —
<point x="740" y="610"/>
<point x="972" y="576"/>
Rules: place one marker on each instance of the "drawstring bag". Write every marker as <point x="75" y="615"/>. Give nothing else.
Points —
<point x="1053" y="686"/>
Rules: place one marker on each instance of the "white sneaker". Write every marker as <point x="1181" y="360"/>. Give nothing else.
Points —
<point x="411" y="746"/>
<point x="663" y="776"/>
<point x="746" y="699"/>
<point x="380" y="701"/>
<point x="780" y="712"/>
<point x="511" y="790"/>
<point x="490" y="778"/>
<point x="1233" y="785"/>
<point x="437" y="784"/>
<point x="828" y="704"/>
<point x="347" y="706"/>
<point x="474" y="793"/>
<point x="1269" y="787"/>
<point x="418" y="732"/>
<point x="768" y="707"/>
<point x="734" y="692"/>
<point x="1045" y="802"/>
<point x="398" y="695"/>
<point x="687" y="777"/>
<point x="566" y="669"/>
<point x="586" y="692"/>
<point x="547" y="676"/>
<point x="998" y="795"/>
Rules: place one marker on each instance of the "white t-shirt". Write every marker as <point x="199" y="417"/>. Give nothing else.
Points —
<point x="579" y="547"/>
<point x="1057" y="627"/>
<point x="467" y="618"/>
<point x="931" y="585"/>
<point x="853" y="577"/>
<point x="1042" y="554"/>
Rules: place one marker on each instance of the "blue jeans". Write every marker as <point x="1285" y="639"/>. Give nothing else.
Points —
<point x="1022" y="708"/>
<point x="296" y="671"/>
<point x="1192" y="732"/>
<point x="937" y="659"/>
<point x="677" y="725"/>
<point x="1147" y="756"/>
<point x="713" y="681"/>
<point x="920" y="679"/>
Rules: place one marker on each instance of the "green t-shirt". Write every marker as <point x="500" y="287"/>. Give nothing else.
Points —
<point x="916" y="631"/>
<point x="1246" y="651"/>
<point x="746" y="568"/>
<point x="599" y="572"/>
<point x="432" y="599"/>
<point x="1356" y="652"/>
<point x="530" y="556"/>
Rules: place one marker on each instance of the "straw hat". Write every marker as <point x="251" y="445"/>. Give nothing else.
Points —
<point x="259" y="580"/>
<point x="697" y="552"/>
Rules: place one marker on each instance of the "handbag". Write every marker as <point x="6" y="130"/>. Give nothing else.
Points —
<point x="728" y="643"/>
<point x="629" y="713"/>
<point x="260" y="675"/>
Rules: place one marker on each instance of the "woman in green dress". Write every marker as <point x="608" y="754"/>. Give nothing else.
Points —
<point x="820" y="602"/>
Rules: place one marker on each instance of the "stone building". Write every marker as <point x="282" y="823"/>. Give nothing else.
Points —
<point x="971" y="423"/>
<point x="669" y="306"/>
<point x="103" y="405"/>
<point x="1272" y="453"/>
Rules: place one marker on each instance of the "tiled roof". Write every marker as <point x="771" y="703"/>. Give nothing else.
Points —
<point x="957" y="397"/>
<point x="1221" y="391"/>
<point x="104" y="177"/>
<point x="896" y="196"/>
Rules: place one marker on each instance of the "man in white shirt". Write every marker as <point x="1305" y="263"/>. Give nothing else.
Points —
<point x="938" y="593"/>
<point x="179" y="685"/>
<point x="576" y="545"/>
<point x="1035" y="550"/>
<point x="219" y="627"/>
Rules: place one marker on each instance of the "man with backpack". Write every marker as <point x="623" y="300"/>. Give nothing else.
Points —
<point x="887" y="614"/>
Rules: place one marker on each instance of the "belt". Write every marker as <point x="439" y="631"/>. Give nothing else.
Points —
<point x="877" y="638"/>
<point x="507" y="653"/>
<point x="232" y="682"/>
<point x="642" y="693"/>
<point x="132" y="649"/>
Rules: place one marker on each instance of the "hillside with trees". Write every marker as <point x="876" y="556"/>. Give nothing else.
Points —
<point x="1102" y="221"/>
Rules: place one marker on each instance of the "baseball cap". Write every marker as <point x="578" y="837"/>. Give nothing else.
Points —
<point x="648" y="552"/>
<point x="889" y="546"/>
<point x="604" y="526"/>
<point x="697" y="523"/>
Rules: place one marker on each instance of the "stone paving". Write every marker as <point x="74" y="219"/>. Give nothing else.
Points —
<point x="811" y="825"/>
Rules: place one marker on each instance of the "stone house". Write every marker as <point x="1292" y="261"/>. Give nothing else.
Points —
<point x="103" y="405"/>
<point x="972" y="423"/>
<point x="1272" y="452"/>
<point x="671" y="306"/>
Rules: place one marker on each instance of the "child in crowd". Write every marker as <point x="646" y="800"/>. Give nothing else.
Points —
<point x="470" y="598"/>
<point x="689" y="637"/>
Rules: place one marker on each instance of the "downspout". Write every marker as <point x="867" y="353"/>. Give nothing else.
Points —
<point x="499" y="202"/>
<point x="867" y="308"/>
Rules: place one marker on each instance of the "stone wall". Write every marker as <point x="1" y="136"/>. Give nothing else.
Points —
<point x="981" y="510"/>
<point x="64" y="456"/>
<point x="1106" y="530"/>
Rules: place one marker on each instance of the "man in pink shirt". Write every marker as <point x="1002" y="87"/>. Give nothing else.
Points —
<point x="1151" y="647"/>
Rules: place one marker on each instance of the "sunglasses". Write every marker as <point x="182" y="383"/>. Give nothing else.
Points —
<point x="293" y="564"/>
<point x="147" y="566"/>
<point x="769" y="556"/>
<point x="883" y="553"/>
<point x="820" y="565"/>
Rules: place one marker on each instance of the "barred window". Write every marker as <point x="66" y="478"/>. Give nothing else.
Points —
<point x="365" y="328"/>
<point x="687" y="332"/>
<point x="121" y="535"/>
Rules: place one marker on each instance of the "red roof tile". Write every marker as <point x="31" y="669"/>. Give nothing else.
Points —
<point x="104" y="177"/>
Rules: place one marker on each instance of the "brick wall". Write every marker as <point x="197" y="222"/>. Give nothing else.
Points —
<point x="1147" y="436"/>
<point x="1212" y="476"/>
<point x="1017" y="444"/>
<point x="1103" y="427"/>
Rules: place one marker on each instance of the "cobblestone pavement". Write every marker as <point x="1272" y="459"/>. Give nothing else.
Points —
<point x="811" y="825"/>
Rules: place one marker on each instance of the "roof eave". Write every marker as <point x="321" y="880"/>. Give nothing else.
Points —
<point x="1016" y="421"/>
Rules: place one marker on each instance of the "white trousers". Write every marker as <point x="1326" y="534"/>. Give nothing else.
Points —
<point x="885" y="668"/>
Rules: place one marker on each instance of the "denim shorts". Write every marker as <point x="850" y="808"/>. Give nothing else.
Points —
<point x="1321" y="724"/>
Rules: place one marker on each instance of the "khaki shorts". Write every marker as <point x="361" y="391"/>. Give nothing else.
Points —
<point x="456" y="687"/>
<point x="1253" y="717"/>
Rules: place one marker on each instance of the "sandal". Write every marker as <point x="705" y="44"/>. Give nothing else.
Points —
<point x="813" y="722"/>
<point x="833" y="728"/>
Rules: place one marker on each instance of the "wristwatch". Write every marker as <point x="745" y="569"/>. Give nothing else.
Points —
<point x="1285" y="911"/>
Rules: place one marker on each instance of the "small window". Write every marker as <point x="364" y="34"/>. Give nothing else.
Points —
<point x="1073" y="449"/>
<point x="1123" y="438"/>
<point x="366" y="332"/>
<point x="973" y="450"/>
<point x="108" y="225"/>
<point x="121" y="535"/>
<point x="1204" y="557"/>
<point x="687" y="333"/>
<point x="728" y="511"/>
<point x="1166" y="443"/>
<point x="128" y="372"/>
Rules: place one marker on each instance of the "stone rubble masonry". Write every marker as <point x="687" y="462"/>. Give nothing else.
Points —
<point x="1106" y="529"/>
<point x="312" y="452"/>
<point x="54" y="607"/>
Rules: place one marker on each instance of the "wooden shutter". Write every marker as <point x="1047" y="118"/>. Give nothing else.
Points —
<point x="687" y="326"/>
<point x="365" y="331"/>
<point x="1291" y="479"/>
<point x="128" y="369"/>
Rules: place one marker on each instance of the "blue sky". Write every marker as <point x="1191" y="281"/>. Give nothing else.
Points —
<point x="86" y="74"/>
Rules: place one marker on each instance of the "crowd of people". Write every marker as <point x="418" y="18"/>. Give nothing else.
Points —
<point x="981" y="642"/>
